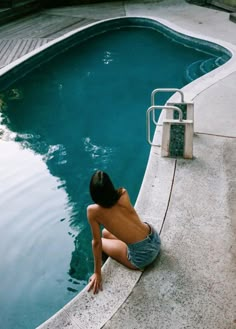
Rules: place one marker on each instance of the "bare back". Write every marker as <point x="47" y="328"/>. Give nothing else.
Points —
<point x="121" y="220"/>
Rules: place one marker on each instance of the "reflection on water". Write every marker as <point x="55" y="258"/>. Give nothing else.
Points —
<point x="31" y="236"/>
<point x="57" y="125"/>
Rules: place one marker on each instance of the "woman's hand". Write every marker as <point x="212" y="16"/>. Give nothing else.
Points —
<point x="95" y="283"/>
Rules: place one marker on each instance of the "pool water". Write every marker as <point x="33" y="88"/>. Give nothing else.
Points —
<point x="83" y="110"/>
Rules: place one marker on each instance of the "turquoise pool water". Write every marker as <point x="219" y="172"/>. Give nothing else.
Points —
<point x="83" y="110"/>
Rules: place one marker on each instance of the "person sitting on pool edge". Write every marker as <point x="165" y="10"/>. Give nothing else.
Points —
<point x="125" y="237"/>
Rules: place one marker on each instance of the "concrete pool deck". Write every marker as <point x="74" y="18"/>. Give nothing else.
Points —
<point x="193" y="202"/>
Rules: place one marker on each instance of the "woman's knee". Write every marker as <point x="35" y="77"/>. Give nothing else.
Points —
<point x="105" y="233"/>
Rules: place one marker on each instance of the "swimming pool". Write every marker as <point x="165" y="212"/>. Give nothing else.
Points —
<point x="59" y="123"/>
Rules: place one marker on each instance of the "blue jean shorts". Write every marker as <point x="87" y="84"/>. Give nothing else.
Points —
<point x="143" y="253"/>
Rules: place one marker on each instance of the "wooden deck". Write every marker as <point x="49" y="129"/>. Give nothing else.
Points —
<point x="21" y="36"/>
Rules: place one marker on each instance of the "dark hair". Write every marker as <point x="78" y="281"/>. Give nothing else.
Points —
<point x="102" y="190"/>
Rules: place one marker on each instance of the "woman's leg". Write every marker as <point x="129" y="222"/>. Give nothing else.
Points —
<point x="107" y="235"/>
<point x="117" y="249"/>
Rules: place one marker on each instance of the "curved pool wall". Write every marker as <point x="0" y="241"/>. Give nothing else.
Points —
<point x="85" y="310"/>
<point x="25" y="64"/>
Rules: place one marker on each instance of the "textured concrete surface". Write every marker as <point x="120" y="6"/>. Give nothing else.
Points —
<point x="204" y="21"/>
<point x="193" y="284"/>
<point x="192" y="202"/>
<point x="222" y="118"/>
<point x="93" y="311"/>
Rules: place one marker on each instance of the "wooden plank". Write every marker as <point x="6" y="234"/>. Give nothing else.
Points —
<point x="14" y="49"/>
<point x="11" y="58"/>
<point x="6" y="46"/>
<point x="40" y="28"/>
<point x="55" y="33"/>
<point x="23" y="27"/>
<point x="7" y="55"/>
<point x="14" y="28"/>
<point x="3" y="46"/>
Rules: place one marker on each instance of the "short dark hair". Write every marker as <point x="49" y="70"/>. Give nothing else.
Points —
<point x="102" y="190"/>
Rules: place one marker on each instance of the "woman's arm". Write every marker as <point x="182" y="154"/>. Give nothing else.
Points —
<point x="96" y="279"/>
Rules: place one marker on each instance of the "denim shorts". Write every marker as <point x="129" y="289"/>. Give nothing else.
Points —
<point x="143" y="253"/>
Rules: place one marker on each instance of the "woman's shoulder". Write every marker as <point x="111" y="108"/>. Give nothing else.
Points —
<point x="92" y="208"/>
<point x="123" y="192"/>
<point x="124" y="197"/>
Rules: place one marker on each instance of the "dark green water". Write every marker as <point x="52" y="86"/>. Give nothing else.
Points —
<point x="81" y="111"/>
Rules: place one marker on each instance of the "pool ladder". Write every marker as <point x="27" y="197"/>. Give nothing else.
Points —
<point x="177" y="130"/>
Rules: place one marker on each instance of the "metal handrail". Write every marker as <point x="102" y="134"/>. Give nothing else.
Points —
<point x="159" y="107"/>
<point x="155" y="91"/>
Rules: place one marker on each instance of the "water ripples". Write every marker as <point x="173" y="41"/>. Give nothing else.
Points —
<point x="31" y="232"/>
<point x="101" y="153"/>
<point x="108" y="57"/>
